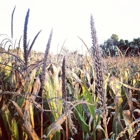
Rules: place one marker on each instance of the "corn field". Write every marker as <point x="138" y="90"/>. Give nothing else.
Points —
<point x="67" y="96"/>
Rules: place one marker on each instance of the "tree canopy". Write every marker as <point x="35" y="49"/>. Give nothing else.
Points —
<point x="128" y="48"/>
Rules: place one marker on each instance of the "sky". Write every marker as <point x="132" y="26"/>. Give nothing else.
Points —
<point x="69" y="19"/>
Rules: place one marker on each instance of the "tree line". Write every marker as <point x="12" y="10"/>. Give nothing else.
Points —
<point x="113" y="47"/>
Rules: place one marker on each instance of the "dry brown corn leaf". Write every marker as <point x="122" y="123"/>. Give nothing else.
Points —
<point x="19" y="111"/>
<point x="128" y="120"/>
<point x="53" y="128"/>
<point x="36" y="88"/>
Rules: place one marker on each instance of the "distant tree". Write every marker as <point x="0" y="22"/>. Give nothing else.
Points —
<point x="135" y="47"/>
<point x="109" y="46"/>
<point x="126" y="42"/>
<point x="114" y="39"/>
<point x="123" y="45"/>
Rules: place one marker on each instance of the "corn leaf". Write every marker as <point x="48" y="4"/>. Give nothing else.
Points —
<point x="14" y="129"/>
<point x="81" y="121"/>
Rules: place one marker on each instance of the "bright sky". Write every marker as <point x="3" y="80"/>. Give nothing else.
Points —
<point x="71" y="18"/>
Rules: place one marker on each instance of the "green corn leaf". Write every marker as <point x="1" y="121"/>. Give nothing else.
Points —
<point x="8" y="69"/>
<point x="117" y="90"/>
<point x="86" y="94"/>
<point x="14" y="129"/>
<point x="21" y="102"/>
<point x="81" y="121"/>
<point x="25" y="136"/>
<point x="98" y="118"/>
<point x="52" y="90"/>
<point x="6" y="116"/>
